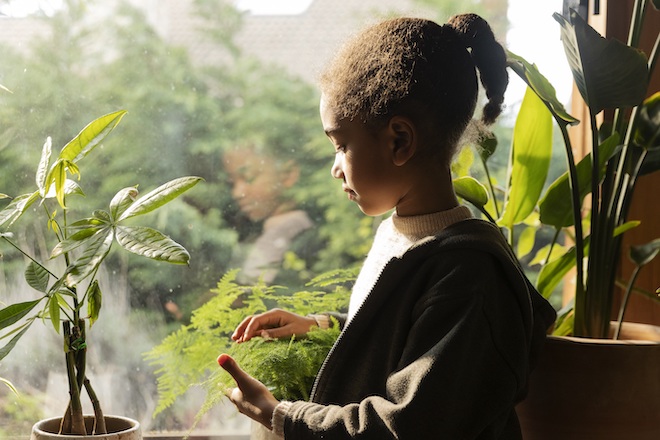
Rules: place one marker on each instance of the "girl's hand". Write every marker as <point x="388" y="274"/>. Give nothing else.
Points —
<point x="275" y="323"/>
<point x="251" y="397"/>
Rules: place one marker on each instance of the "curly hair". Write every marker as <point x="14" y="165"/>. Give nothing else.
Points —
<point x="417" y="68"/>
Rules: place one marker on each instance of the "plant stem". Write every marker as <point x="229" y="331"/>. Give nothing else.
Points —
<point x="552" y="245"/>
<point x="28" y="256"/>
<point x="577" y="220"/>
<point x="624" y="303"/>
<point x="99" y="419"/>
<point x="77" y="421"/>
<point x="491" y="187"/>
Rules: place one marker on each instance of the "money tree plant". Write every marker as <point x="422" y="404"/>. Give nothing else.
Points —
<point x="72" y="297"/>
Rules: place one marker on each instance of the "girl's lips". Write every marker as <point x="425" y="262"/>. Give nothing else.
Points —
<point x="351" y="194"/>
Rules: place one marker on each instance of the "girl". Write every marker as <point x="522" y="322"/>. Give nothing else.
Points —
<point x="443" y="326"/>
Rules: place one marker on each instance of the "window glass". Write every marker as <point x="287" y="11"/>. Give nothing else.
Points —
<point x="216" y="89"/>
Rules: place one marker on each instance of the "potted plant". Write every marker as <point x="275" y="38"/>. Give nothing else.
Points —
<point x="187" y="357"/>
<point x="604" y="400"/>
<point x="72" y="298"/>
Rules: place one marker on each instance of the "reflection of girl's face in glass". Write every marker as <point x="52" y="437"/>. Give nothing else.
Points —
<point x="257" y="183"/>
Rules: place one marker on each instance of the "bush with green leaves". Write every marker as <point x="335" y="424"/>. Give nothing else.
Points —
<point x="187" y="357"/>
<point x="71" y="296"/>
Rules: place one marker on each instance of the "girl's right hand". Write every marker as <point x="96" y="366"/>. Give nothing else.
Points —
<point x="275" y="323"/>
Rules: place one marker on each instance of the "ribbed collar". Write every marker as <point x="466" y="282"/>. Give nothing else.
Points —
<point x="420" y="226"/>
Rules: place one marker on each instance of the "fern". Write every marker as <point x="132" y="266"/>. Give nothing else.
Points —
<point x="186" y="358"/>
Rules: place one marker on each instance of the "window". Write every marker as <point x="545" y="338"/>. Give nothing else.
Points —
<point x="212" y="89"/>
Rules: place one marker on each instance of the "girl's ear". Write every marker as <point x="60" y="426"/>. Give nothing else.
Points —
<point x="405" y="140"/>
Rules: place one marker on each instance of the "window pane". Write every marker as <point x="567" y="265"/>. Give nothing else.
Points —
<point x="213" y="89"/>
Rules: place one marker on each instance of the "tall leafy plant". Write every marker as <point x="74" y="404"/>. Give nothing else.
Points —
<point x="612" y="76"/>
<point x="73" y="296"/>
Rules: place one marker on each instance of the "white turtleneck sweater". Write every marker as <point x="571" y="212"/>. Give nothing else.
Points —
<point x="394" y="237"/>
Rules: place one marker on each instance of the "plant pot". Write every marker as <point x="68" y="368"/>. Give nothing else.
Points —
<point x="596" y="388"/>
<point x="119" y="428"/>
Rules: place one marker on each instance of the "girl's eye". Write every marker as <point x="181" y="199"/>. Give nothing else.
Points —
<point x="340" y="149"/>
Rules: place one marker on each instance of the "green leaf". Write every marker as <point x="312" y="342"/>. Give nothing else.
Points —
<point x="16" y="208"/>
<point x="541" y="86"/>
<point x="152" y="244"/>
<point x="160" y="196"/>
<point x="647" y="129"/>
<point x="94" y="301"/>
<point x="531" y="153"/>
<point x="472" y="190"/>
<point x="70" y="187"/>
<point x="42" y="168"/>
<point x="54" y="310"/>
<point x="526" y="241"/>
<point x="57" y="176"/>
<point x="90" y="136"/>
<point x="608" y="73"/>
<point x="13" y="313"/>
<point x="97" y="249"/>
<point x="487" y="146"/>
<point x="37" y="276"/>
<point x="4" y="351"/>
<point x="542" y="254"/>
<point x="556" y="207"/>
<point x="645" y="253"/>
<point x="80" y="238"/>
<point x="121" y="201"/>
<point x="553" y="272"/>
<point x="9" y="384"/>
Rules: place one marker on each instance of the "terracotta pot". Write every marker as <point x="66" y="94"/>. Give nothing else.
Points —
<point x="596" y="388"/>
<point x="119" y="428"/>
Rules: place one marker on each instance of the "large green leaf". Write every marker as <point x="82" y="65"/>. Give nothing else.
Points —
<point x="541" y="86"/>
<point x="54" y="310"/>
<point x="645" y="253"/>
<point x="13" y="313"/>
<point x="472" y="190"/>
<point x="647" y="129"/>
<point x="42" y="168"/>
<point x="94" y="301"/>
<point x="121" y="201"/>
<point x="16" y="208"/>
<point x="608" y="73"/>
<point x="556" y="207"/>
<point x="79" y="238"/>
<point x="160" y="196"/>
<point x="90" y="136"/>
<point x="97" y="248"/>
<point x="152" y="244"/>
<point x="553" y="272"/>
<point x="37" y="276"/>
<point x="530" y="159"/>
<point x="4" y="351"/>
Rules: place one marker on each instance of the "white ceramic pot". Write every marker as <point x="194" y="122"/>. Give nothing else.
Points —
<point x="119" y="428"/>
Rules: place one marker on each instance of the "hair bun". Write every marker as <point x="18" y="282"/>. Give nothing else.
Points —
<point x="489" y="57"/>
<point x="472" y="29"/>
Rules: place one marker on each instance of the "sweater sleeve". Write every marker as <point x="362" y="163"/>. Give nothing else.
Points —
<point x="459" y="375"/>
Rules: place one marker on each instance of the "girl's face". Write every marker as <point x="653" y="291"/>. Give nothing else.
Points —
<point x="257" y="185"/>
<point x="363" y="162"/>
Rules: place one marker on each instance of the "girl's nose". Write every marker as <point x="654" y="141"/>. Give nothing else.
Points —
<point x="336" y="171"/>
